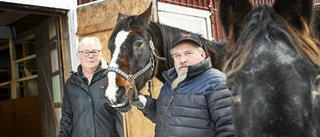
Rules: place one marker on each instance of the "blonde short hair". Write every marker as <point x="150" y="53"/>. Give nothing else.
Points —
<point x="89" y="41"/>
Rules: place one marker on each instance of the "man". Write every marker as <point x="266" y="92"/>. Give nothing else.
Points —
<point x="85" y="112"/>
<point x="194" y="101"/>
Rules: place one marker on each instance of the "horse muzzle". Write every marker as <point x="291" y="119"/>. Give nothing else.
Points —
<point x="123" y="97"/>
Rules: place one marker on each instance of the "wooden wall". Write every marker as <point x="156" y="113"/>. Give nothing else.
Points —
<point x="20" y="117"/>
<point x="98" y="19"/>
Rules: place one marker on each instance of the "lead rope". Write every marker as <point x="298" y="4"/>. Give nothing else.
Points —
<point x="160" y="58"/>
<point x="149" y="86"/>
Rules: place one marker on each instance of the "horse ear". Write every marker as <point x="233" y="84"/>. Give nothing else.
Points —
<point x="296" y="12"/>
<point x="232" y="14"/>
<point x="120" y="17"/>
<point x="145" y="15"/>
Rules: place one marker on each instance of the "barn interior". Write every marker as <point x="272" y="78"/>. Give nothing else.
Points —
<point x="17" y="53"/>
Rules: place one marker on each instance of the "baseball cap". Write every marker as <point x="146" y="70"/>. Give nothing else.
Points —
<point x="186" y="36"/>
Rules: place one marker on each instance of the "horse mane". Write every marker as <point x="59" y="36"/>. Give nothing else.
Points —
<point x="215" y="50"/>
<point x="256" y="25"/>
<point x="167" y="33"/>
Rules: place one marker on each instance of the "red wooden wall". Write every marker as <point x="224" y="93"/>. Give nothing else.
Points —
<point x="197" y="4"/>
<point x="84" y="1"/>
<point x="261" y="2"/>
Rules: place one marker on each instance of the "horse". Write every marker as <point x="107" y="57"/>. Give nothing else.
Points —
<point x="140" y="50"/>
<point x="272" y="63"/>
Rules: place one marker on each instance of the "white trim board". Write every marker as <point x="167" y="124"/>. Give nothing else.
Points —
<point x="194" y="20"/>
<point x="59" y="4"/>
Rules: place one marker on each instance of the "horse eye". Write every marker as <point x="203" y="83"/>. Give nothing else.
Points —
<point x="137" y="44"/>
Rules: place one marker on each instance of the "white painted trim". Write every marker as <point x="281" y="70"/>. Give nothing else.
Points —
<point x="59" y="4"/>
<point x="170" y="8"/>
<point x="74" y="40"/>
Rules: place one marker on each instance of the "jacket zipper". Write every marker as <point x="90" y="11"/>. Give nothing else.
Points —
<point x="172" y="97"/>
<point x="93" y="110"/>
<point x="166" y="118"/>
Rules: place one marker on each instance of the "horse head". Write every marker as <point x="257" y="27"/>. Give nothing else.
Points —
<point x="272" y="63"/>
<point x="132" y="59"/>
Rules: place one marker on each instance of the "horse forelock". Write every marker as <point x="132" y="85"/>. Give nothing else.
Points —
<point x="139" y="30"/>
<point x="123" y="25"/>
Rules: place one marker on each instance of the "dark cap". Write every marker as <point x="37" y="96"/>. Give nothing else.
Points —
<point x="186" y="36"/>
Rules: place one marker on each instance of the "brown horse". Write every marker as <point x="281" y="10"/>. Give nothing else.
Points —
<point x="272" y="64"/>
<point x="138" y="47"/>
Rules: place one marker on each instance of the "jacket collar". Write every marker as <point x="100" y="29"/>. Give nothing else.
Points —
<point x="193" y="70"/>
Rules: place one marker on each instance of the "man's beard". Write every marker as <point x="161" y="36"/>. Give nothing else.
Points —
<point x="181" y="77"/>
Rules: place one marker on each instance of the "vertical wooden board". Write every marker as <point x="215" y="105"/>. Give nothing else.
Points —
<point x="67" y="44"/>
<point x="27" y="117"/>
<point x="49" y="118"/>
<point x="137" y="124"/>
<point x="6" y="118"/>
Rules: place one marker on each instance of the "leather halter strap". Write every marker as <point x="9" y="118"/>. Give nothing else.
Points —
<point x="131" y="78"/>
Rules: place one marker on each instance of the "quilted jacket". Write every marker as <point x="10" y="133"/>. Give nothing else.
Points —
<point x="199" y="107"/>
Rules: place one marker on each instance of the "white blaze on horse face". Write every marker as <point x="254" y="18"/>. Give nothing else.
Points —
<point x="112" y="88"/>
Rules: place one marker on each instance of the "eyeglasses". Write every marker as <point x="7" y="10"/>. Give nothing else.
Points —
<point x="86" y="53"/>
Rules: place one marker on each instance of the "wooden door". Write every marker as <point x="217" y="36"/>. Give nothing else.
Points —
<point x="50" y="75"/>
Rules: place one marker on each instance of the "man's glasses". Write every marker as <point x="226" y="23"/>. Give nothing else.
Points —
<point x="86" y="53"/>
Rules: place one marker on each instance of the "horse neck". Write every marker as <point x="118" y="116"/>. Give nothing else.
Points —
<point x="165" y="36"/>
<point x="162" y="36"/>
<point x="160" y="50"/>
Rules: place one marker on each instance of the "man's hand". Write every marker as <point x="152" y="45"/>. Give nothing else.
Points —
<point x="140" y="103"/>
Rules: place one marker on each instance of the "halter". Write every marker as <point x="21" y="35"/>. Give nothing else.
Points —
<point x="131" y="78"/>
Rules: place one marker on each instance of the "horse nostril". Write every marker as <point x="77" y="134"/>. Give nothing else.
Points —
<point x="121" y="91"/>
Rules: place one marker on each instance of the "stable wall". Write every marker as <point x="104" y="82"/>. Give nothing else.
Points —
<point x="20" y="117"/>
<point x="98" y="19"/>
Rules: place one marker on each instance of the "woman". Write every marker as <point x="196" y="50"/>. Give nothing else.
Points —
<point x="85" y="112"/>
